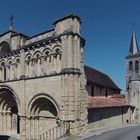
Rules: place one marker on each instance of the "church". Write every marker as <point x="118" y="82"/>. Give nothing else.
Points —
<point x="42" y="82"/>
<point x="47" y="91"/>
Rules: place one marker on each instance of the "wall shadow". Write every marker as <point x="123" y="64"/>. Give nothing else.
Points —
<point x="97" y="114"/>
<point x="4" y="137"/>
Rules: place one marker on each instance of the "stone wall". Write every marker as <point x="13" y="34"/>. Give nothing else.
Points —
<point x="108" y="117"/>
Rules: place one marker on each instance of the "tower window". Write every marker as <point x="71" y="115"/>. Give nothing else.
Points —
<point x="4" y="73"/>
<point x="136" y="66"/>
<point x="130" y="65"/>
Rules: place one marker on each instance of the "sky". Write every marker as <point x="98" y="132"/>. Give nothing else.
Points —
<point x="107" y="26"/>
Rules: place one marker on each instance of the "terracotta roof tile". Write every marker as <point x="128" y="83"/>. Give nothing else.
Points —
<point x="110" y="101"/>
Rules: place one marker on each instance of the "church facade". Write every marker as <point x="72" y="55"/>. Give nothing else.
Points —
<point x="42" y="82"/>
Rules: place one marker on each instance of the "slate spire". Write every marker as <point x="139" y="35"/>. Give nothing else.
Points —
<point x="133" y="45"/>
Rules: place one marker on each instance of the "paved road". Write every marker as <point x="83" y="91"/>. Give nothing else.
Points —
<point x="128" y="133"/>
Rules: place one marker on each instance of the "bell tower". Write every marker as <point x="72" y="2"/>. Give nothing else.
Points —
<point x="133" y="77"/>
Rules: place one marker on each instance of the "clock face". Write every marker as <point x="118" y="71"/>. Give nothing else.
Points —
<point x="4" y="48"/>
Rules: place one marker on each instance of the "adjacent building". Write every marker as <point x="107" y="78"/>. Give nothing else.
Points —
<point x="106" y="106"/>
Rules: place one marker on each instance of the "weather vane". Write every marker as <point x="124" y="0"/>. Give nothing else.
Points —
<point x="133" y="25"/>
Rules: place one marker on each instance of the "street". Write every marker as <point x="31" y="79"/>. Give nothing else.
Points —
<point x="128" y="133"/>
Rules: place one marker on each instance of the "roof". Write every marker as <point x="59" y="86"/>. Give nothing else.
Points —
<point x="66" y="17"/>
<point x="96" y="77"/>
<point x="133" y="45"/>
<point x="115" y="100"/>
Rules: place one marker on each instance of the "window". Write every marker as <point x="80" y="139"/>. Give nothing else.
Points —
<point x="130" y="65"/>
<point x="136" y="66"/>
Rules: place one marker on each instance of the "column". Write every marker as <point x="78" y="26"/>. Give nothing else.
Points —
<point x="43" y="66"/>
<point x="9" y="125"/>
<point x="52" y="64"/>
<point x="58" y="62"/>
<point x="1" y="121"/>
<point x="55" y="62"/>
<point x="22" y="63"/>
<point x="1" y="78"/>
<point x="23" y="128"/>
<point x="27" y="68"/>
<point x="4" y="121"/>
<point x="30" y="69"/>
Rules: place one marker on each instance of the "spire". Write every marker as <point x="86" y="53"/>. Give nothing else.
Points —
<point x="11" y="27"/>
<point x="133" y="45"/>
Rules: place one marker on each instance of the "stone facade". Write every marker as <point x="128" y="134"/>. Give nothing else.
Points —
<point x="42" y="80"/>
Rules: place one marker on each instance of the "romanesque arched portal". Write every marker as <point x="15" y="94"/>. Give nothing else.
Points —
<point x="9" y="118"/>
<point x="43" y="115"/>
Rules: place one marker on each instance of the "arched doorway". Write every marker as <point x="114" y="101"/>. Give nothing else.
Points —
<point x="43" y="115"/>
<point x="9" y="118"/>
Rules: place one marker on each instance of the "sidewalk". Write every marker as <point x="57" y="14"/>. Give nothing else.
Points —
<point x="93" y="132"/>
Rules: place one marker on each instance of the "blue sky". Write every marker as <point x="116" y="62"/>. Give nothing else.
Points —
<point x="106" y="26"/>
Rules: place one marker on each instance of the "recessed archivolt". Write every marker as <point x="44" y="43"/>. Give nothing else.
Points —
<point x="2" y="63"/>
<point x="8" y="98"/>
<point x="9" y="61"/>
<point x="37" y="54"/>
<point x="46" y="52"/>
<point x="43" y="105"/>
<point x="56" y="49"/>
<point x="28" y="57"/>
<point x="17" y="59"/>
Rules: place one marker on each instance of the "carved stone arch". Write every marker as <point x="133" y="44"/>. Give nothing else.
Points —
<point x="10" y="107"/>
<point x="17" y="59"/>
<point x="37" y="54"/>
<point x="8" y="88"/>
<point x="4" y="48"/>
<point x="36" y="102"/>
<point x="57" y="49"/>
<point x="3" y="63"/>
<point x="46" y="52"/>
<point x="9" y="61"/>
<point x="3" y="71"/>
<point x="28" y="56"/>
<point x="43" y="111"/>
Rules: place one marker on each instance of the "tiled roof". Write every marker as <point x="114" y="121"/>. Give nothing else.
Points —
<point x="116" y="100"/>
<point x="96" y="77"/>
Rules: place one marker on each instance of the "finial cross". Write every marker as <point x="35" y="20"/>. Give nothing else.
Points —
<point x="11" y="20"/>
